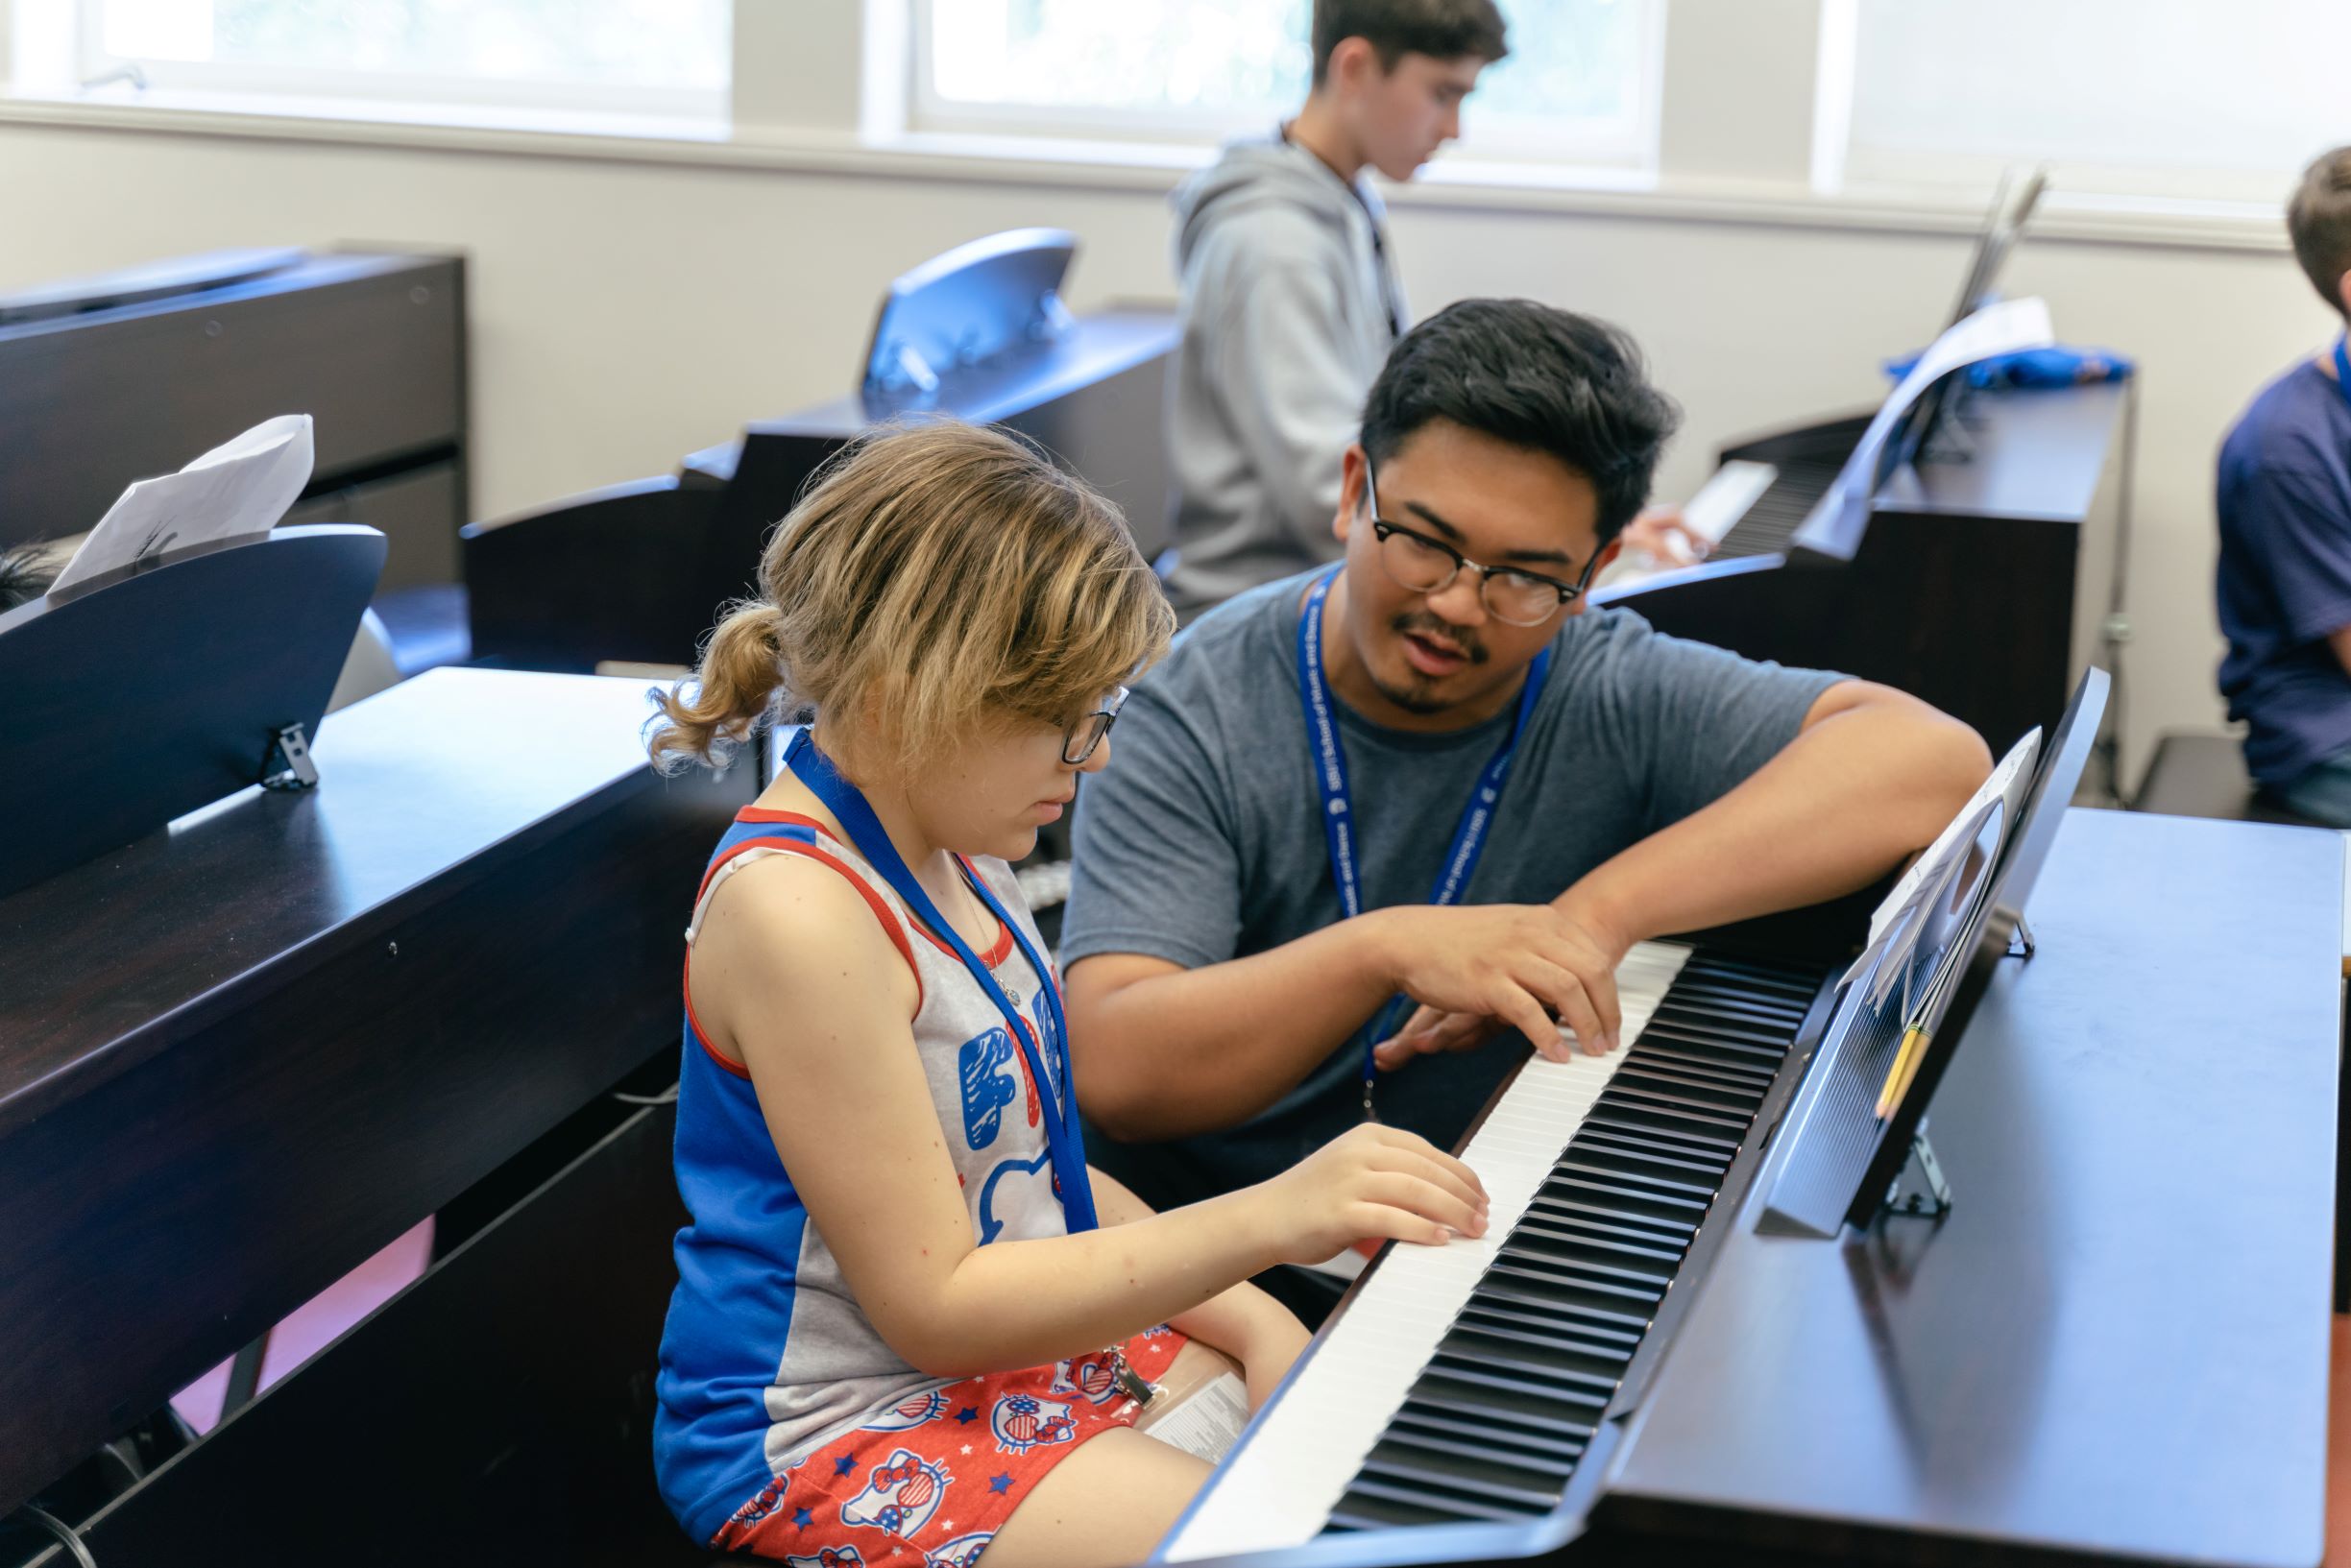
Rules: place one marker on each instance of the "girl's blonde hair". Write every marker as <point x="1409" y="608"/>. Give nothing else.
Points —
<point x="936" y="577"/>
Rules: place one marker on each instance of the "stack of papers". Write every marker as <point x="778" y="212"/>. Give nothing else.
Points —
<point x="236" y="491"/>
<point x="1898" y="922"/>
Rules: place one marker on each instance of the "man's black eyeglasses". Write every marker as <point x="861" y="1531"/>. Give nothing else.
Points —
<point x="1428" y="565"/>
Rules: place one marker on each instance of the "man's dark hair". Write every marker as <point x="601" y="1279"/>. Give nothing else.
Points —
<point x="1534" y="377"/>
<point x="25" y="574"/>
<point x="1448" y="29"/>
<point x="2318" y="218"/>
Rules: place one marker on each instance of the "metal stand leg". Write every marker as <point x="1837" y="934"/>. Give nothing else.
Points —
<point x="1929" y="1196"/>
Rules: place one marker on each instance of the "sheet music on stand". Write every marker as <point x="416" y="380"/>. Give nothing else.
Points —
<point x="1899" y="426"/>
<point x="1901" y="918"/>
<point x="237" y="490"/>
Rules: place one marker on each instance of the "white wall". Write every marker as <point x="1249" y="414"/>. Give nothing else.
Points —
<point x="625" y="313"/>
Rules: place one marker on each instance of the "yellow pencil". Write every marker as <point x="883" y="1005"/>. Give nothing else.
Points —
<point x="1905" y="1067"/>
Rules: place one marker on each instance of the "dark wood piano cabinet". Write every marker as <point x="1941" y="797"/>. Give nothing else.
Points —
<point x="239" y="1057"/>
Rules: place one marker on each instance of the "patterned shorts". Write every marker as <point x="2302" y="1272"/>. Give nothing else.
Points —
<point x="928" y="1484"/>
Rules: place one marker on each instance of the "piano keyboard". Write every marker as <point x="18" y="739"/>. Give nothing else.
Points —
<point x="1460" y="1382"/>
<point x="1771" y="520"/>
<point x="1727" y="497"/>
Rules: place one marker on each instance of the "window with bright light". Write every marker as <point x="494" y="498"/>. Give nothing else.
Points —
<point x="1580" y="85"/>
<point x="626" y="56"/>
<point x="2168" y="98"/>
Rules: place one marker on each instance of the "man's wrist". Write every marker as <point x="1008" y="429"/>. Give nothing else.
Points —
<point x="1590" y="905"/>
<point x="1377" y="938"/>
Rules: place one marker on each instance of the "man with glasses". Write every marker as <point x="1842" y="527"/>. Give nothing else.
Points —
<point x="1365" y="818"/>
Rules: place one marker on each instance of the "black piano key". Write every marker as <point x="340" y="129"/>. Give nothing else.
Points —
<point x="1506" y="1281"/>
<point x="1714" y="1046"/>
<point x="1547" y="1455"/>
<point x="1570" y="1208"/>
<point x="1704" y="1144"/>
<point x="1382" y="1514"/>
<point x="1591" y="1185"/>
<point x="1752" y="976"/>
<point x="1753" y="1067"/>
<point x="1407" y="1464"/>
<point x="1618" y="1108"/>
<point x="1494" y="1427"/>
<point x="1701" y="1008"/>
<point x="1617" y="1331"/>
<point x="1658" y="1078"/>
<point x="1745" y="981"/>
<point x="1562" y="1334"/>
<point x="1577" y="1231"/>
<point x="1727" y="999"/>
<point x="1446" y="1504"/>
<point x="1763" y="981"/>
<point x="1539" y="1364"/>
<point x="1574" y="1240"/>
<point x="1475" y="1383"/>
<point x="1722" y="1068"/>
<point x="1771" y="1039"/>
<point x="1633" y="1285"/>
<point x="1612" y="1149"/>
<point x="1465" y="1390"/>
<point x="1632" y="1183"/>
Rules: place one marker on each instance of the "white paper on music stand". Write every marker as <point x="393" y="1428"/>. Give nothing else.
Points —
<point x="237" y="490"/>
<point x="2008" y="327"/>
<point x="1896" y="923"/>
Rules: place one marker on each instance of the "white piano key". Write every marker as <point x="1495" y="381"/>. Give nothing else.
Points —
<point x="1279" y="1490"/>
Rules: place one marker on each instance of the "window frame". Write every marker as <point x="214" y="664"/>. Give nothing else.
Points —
<point x="1611" y="148"/>
<point x="291" y="83"/>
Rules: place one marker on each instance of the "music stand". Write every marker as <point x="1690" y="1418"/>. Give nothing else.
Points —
<point x="1842" y="1163"/>
<point x="962" y="308"/>
<point x="150" y="693"/>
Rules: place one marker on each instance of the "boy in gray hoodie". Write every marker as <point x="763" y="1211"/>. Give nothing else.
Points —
<point x="1291" y="301"/>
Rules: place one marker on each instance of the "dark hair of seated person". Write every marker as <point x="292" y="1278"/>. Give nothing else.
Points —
<point x="1534" y="377"/>
<point x="2318" y="221"/>
<point x="25" y="574"/>
<point x="1443" y="29"/>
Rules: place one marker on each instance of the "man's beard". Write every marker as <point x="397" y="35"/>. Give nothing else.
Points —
<point x="1419" y="697"/>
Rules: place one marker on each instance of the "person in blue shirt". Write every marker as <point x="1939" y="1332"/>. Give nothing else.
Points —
<point x="2284" y="506"/>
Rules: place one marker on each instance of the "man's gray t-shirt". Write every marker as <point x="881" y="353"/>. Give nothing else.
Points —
<point x="1203" y="840"/>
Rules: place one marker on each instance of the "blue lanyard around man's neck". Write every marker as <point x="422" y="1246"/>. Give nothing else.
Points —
<point x="1339" y="808"/>
<point x="2342" y="366"/>
<point x="1062" y="1138"/>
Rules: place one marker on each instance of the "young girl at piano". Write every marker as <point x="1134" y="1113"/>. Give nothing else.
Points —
<point x="910" y="1325"/>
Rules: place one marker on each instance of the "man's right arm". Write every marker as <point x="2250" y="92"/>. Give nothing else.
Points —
<point x="1171" y="1033"/>
<point x="1165" y="1052"/>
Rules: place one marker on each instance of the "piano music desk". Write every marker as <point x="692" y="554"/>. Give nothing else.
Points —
<point x="2117" y="1343"/>
<point x="237" y="1058"/>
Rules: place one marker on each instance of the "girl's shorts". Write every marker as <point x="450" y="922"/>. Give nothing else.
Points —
<point x="928" y="1484"/>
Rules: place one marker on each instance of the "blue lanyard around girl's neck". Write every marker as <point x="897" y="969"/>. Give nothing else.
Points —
<point x="1339" y="808"/>
<point x="1062" y="1138"/>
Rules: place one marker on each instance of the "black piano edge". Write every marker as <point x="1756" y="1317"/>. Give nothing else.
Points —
<point x="141" y="1042"/>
